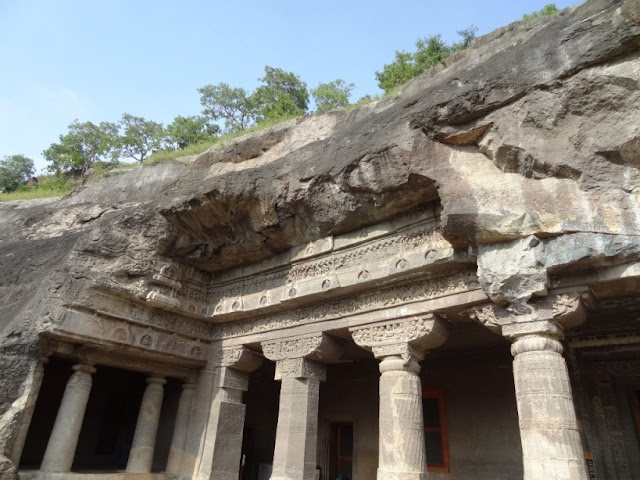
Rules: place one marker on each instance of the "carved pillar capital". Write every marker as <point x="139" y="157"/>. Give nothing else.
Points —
<point x="407" y="338"/>
<point x="548" y="316"/>
<point x="300" y="368"/>
<point x="318" y="346"/>
<point x="536" y="343"/>
<point x="237" y="357"/>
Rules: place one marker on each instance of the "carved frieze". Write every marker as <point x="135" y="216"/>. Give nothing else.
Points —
<point x="109" y="331"/>
<point x="385" y="297"/>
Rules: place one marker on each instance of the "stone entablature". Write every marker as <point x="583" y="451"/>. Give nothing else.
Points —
<point x="406" y="246"/>
<point x="106" y="330"/>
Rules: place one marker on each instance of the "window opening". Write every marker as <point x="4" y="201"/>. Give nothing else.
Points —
<point x="435" y="430"/>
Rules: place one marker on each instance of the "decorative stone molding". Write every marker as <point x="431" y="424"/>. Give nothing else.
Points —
<point x="408" y="338"/>
<point x="238" y="358"/>
<point x="357" y="260"/>
<point x="108" y="331"/>
<point x="318" y="346"/>
<point x="536" y="343"/>
<point x="383" y="298"/>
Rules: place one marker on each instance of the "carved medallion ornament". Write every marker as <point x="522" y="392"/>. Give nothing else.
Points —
<point x="408" y="337"/>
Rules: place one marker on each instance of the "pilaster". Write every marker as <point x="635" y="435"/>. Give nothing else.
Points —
<point x="222" y="445"/>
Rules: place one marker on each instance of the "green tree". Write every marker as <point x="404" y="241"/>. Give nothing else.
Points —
<point x="233" y="105"/>
<point x="85" y="144"/>
<point x="185" y="131"/>
<point x="332" y="95"/>
<point x="139" y="138"/>
<point x="14" y="171"/>
<point x="548" y="9"/>
<point x="396" y="73"/>
<point x="429" y="51"/>
<point x="467" y="35"/>
<point x="283" y="94"/>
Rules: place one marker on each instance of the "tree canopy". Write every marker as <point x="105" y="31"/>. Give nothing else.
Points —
<point x="85" y="144"/>
<point x="139" y="137"/>
<point x="185" y="131"/>
<point x="429" y="51"/>
<point x="332" y="95"/>
<point x="282" y="95"/>
<point x="233" y="105"/>
<point x="14" y="171"/>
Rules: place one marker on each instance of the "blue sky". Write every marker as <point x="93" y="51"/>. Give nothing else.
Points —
<point x="93" y="60"/>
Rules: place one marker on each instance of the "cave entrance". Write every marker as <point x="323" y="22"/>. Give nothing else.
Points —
<point x="109" y="421"/>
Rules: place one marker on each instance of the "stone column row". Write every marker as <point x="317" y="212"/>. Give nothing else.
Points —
<point x="61" y="448"/>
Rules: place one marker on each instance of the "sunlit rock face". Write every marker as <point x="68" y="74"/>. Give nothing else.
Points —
<point x="525" y="149"/>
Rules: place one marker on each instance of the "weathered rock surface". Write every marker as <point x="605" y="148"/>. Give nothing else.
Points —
<point x="530" y="140"/>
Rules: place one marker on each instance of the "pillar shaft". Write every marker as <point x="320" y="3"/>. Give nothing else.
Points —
<point x="144" y="438"/>
<point x="64" y="438"/>
<point x="180" y="429"/>
<point x="402" y="453"/>
<point x="295" y="453"/>
<point x="221" y="458"/>
<point x="551" y="444"/>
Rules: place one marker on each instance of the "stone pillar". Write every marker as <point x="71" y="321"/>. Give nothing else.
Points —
<point x="551" y="445"/>
<point x="402" y="452"/>
<point x="144" y="438"/>
<point x="295" y="452"/>
<point x="64" y="438"/>
<point x="400" y="345"/>
<point x="35" y="381"/>
<point x="222" y="447"/>
<point x="181" y="426"/>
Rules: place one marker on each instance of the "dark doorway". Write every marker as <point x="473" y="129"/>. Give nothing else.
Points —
<point x="56" y="374"/>
<point x="259" y="439"/>
<point x="341" y="451"/>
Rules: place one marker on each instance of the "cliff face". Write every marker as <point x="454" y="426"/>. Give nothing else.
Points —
<point x="530" y="140"/>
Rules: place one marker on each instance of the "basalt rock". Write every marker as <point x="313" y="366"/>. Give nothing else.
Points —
<point x="529" y="140"/>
